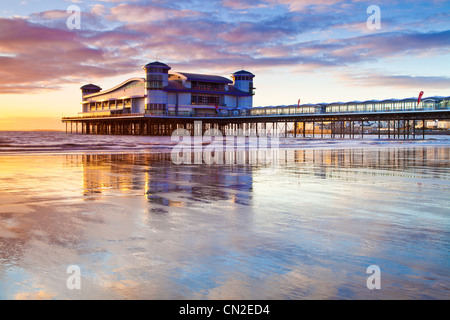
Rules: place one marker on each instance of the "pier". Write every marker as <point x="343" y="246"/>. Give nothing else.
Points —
<point x="165" y="101"/>
<point x="403" y="124"/>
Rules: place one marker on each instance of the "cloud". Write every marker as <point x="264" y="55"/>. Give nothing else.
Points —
<point x="98" y="9"/>
<point x="40" y="53"/>
<point x="399" y="81"/>
<point x="299" y="5"/>
<point x="42" y="58"/>
<point x="292" y="5"/>
<point x="375" y="47"/>
<point x="135" y="13"/>
<point x="242" y="4"/>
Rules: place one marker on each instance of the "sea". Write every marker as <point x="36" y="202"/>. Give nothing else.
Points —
<point x="116" y="217"/>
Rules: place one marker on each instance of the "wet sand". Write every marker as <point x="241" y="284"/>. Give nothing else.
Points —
<point x="307" y="227"/>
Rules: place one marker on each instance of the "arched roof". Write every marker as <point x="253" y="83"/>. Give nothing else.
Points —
<point x="90" y="86"/>
<point x="118" y="86"/>
<point x="243" y="73"/>
<point x="156" y="64"/>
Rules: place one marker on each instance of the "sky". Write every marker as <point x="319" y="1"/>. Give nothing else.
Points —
<point x="316" y="51"/>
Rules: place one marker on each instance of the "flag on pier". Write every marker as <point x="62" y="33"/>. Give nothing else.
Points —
<point x="420" y="97"/>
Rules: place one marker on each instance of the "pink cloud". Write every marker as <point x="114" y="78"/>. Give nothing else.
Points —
<point x="43" y="58"/>
<point x="133" y="13"/>
<point x="41" y="53"/>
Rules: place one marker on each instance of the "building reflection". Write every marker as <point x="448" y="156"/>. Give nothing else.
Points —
<point x="161" y="181"/>
<point x="165" y="183"/>
<point x="351" y="163"/>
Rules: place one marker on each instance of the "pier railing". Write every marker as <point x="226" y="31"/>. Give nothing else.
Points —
<point x="106" y="116"/>
<point x="245" y="114"/>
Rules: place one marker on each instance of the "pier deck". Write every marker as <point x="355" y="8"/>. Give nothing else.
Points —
<point x="393" y="124"/>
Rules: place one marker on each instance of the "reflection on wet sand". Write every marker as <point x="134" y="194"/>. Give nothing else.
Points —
<point x="159" y="178"/>
<point x="305" y="225"/>
<point x="156" y="174"/>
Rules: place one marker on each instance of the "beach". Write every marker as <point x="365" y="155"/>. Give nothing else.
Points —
<point x="306" y="226"/>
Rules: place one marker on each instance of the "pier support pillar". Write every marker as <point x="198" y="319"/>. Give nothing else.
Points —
<point x="379" y="129"/>
<point x="423" y="129"/>
<point x="362" y="129"/>
<point x="389" y="128"/>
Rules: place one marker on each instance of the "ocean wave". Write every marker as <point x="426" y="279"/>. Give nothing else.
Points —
<point x="57" y="142"/>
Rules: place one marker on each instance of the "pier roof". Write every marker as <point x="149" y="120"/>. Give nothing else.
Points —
<point x="116" y="87"/>
<point x="202" y="77"/>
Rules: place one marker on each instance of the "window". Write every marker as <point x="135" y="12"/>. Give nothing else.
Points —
<point x="200" y="99"/>
<point x="156" y="106"/>
<point x="244" y="78"/>
<point x="134" y="85"/>
<point x="157" y="70"/>
<point x="250" y="87"/>
<point x="155" y="82"/>
<point x="155" y="77"/>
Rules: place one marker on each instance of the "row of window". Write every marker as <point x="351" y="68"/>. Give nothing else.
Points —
<point x="155" y="77"/>
<point x="89" y="91"/>
<point x="157" y="70"/>
<point x="135" y="84"/>
<point x="205" y="99"/>
<point x="155" y="85"/>
<point x="156" y="106"/>
<point x="283" y="110"/>
<point x="374" y="107"/>
<point x="247" y="78"/>
<point x="110" y="104"/>
<point x="363" y="107"/>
